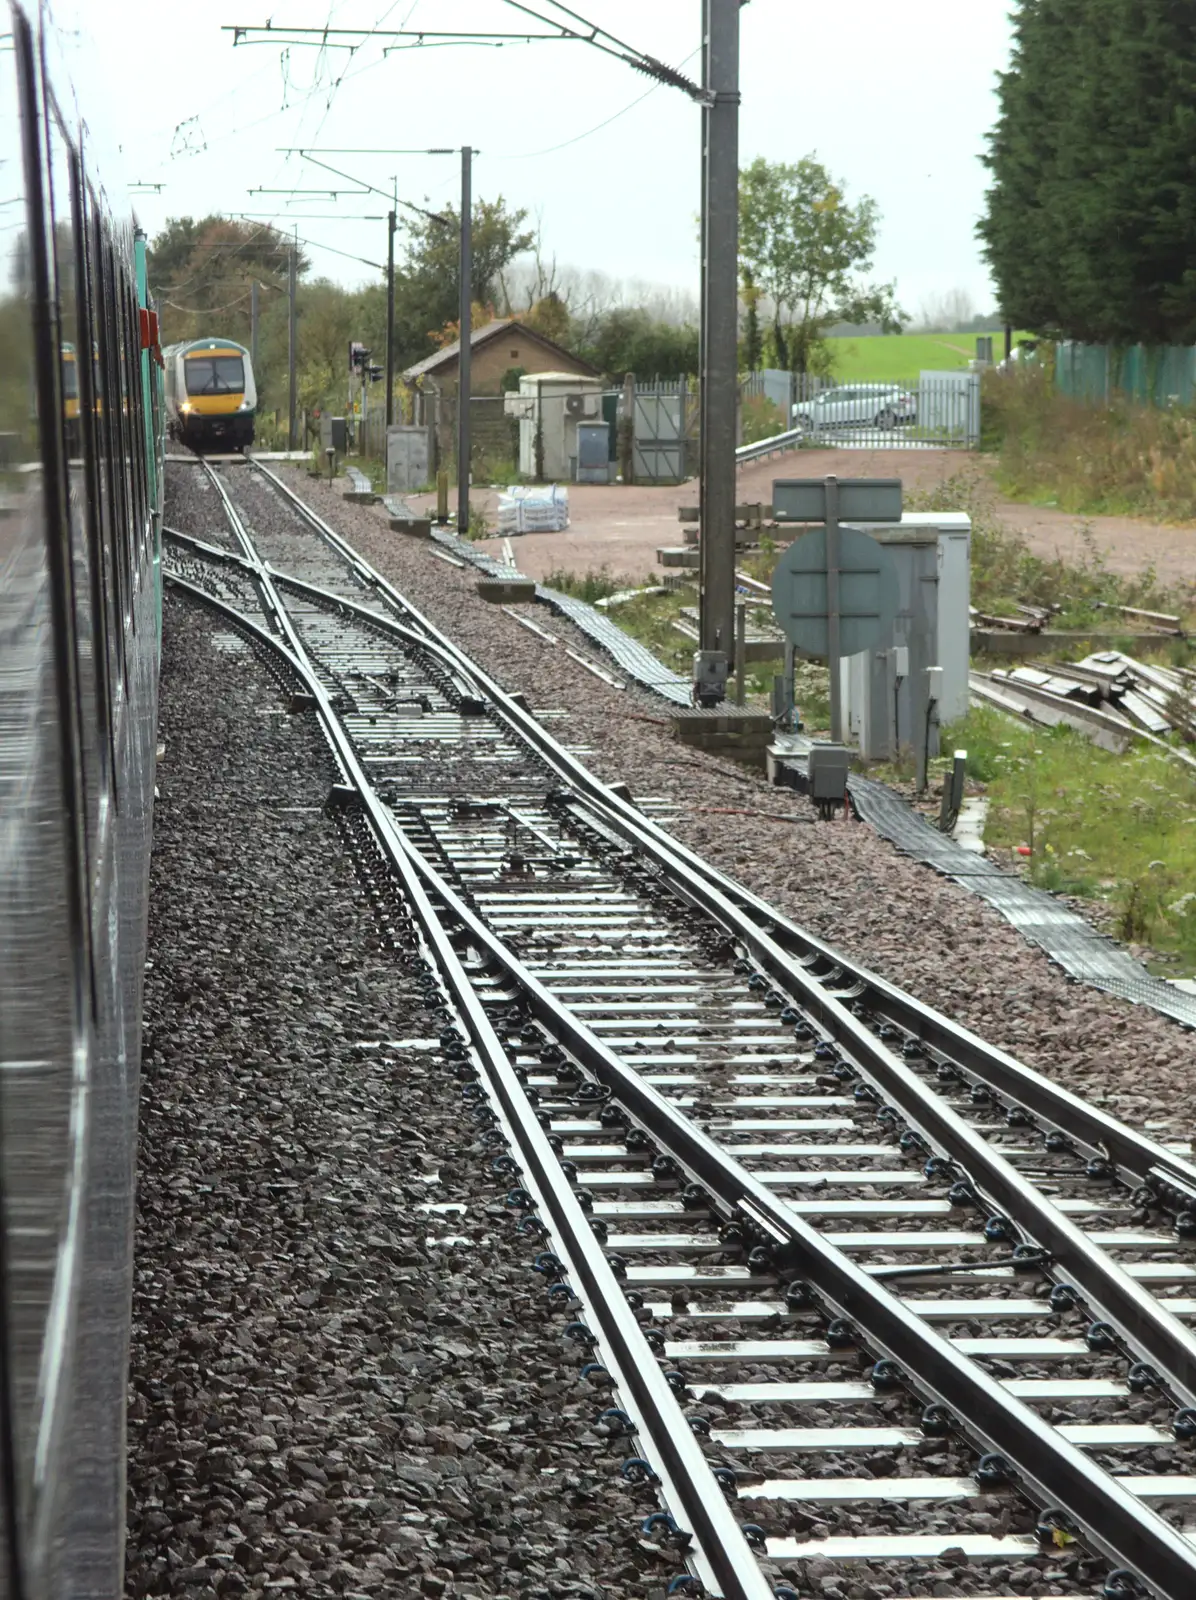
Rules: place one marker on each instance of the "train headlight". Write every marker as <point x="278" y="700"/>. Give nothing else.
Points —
<point x="186" y="406"/>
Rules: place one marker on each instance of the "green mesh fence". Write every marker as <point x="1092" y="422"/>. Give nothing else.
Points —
<point x="1159" y="375"/>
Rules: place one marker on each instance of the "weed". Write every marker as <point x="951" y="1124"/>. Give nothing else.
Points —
<point x="1005" y="570"/>
<point x="500" y="472"/>
<point x="594" y="584"/>
<point x="653" y="618"/>
<point x="1115" y="457"/>
<point x="375" y="470"/>
<point x="761" y="418"/>
<point x="479" y="524"/>
<point x="1133" y="923"/>
<point x="1119" y="829"/>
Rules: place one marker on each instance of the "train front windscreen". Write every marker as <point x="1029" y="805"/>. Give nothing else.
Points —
<point x="215" y="375"/>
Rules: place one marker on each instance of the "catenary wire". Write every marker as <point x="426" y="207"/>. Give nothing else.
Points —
<point x="527" y="155"/>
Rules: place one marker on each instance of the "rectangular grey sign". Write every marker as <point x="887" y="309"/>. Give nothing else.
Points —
<point x="860" y="499"/>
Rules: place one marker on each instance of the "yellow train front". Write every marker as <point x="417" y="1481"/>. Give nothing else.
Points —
<point x="70" y="400"/>
<point x="211" y="396"/>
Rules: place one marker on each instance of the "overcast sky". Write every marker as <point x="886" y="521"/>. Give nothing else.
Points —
<point x="895" y="98"/>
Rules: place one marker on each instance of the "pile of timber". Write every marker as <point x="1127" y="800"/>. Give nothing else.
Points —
<point x="1112" y="698"/>
<point x="750" y="522"/>
<point x="1033" y="619"/>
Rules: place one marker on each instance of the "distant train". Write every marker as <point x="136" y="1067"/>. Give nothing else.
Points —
<point x="211" y="396"/>
<point x="73" y="426"/>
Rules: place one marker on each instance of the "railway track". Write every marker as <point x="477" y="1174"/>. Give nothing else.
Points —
<point x="869" y="1297"/>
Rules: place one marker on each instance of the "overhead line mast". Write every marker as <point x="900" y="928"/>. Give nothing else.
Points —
<point x="718" y="95"/>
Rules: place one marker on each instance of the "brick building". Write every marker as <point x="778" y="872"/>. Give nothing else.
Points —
<point x="497" y="349"/>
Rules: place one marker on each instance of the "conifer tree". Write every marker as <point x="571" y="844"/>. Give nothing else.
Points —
<point x="1090" y="224"/>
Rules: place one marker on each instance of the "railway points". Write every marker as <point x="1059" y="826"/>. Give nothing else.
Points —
<point x="836" y="1218"/>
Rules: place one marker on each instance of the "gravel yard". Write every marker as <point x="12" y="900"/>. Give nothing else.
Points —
<point x="335" y="1390"/>
<point x="840" y="880"/>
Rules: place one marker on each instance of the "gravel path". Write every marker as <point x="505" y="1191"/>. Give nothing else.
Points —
<point x="328" y="1394"/>
<point x="621" y="528"/>
<point x="839" y="880"/>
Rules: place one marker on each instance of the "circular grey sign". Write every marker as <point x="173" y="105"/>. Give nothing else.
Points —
<point x="867" y="592"/>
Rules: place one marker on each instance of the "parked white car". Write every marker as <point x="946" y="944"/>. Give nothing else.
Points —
<point x="877" y="405"/>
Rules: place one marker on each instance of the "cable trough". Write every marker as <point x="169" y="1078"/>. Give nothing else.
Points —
<point x="914" y="1305"/>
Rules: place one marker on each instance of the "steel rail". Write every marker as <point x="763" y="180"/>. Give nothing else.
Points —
<point x="723" y="1556"/>
<point x="213" y="552"/>
<point x="1055" y="1472"/>
<point x="1141" y="1158"/>
<point x="1147" y="1327"/>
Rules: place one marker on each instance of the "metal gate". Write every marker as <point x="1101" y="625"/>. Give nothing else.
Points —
<point x="941" y="411"/>
<point x="660" y="433"/>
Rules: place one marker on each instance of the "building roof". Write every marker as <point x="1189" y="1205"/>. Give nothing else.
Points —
<point x="445" y="358"/>
<point x="571" y="379"/>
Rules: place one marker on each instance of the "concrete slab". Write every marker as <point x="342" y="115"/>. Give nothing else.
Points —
<point x="969" y="826"/>
<point x="725" y="730"/>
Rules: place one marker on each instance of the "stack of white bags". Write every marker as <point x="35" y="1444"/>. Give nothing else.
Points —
<point x="534" y="510"/>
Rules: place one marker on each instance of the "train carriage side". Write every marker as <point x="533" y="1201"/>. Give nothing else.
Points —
<point x="79" y="647"/>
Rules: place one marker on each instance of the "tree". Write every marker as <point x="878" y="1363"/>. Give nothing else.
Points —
<point x="1090" y="222"/>
<point x="753" y="345"/>
<point x="804" y="247"/>
<point x="427" y="288"/>
<point x="550" y="316"/>
<point x="628" y="339"/>
<point x="952" y="312"/>
<point x="204" y="269"/>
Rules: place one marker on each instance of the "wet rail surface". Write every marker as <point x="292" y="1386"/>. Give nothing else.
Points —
<point x="866" y="1292"/>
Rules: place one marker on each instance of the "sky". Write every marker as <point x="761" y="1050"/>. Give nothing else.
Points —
<point x="894" y="98"/>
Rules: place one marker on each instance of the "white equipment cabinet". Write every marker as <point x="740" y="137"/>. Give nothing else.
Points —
<point x="886" y="689"/>
<point x="553" y="403"/>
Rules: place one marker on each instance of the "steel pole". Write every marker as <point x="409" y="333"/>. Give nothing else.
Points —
<point x="390" y="318"/>
<point x="253" y="326"/>
<point x="702" y="341"/>
<point x="832" y="607"/>
<point x="463" y="362"/>
<point x="720" y="326"/>
<point x="292" y="383"/>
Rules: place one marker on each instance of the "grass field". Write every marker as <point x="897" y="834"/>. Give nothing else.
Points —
<point x="899" y="357"/>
